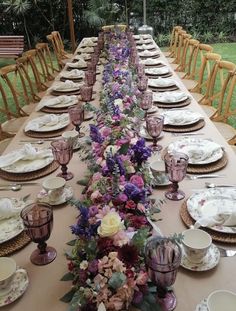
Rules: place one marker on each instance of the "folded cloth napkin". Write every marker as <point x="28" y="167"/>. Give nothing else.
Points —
<point x="169" y="97"/>
<point x="146" y="47"/>
<point x="198" y="150"/>
<point x="161" y="82"/>
<point x="180" y="117"/>
<point x="87" y="49"/>
<point x="157" y="71"/>
<point x="67" y="85"/>
<point x="85" y="56"/>
<point x="74" y="73"/>
<point x="148" y="53"/>
<point x="81" y="63"/>
<point x="88" y="42"/>
<point x="150" y="61"/>
<point x="7" y="210"/>
<point x="62" y="99"/>
<point x="49" y="120"/>
<point x="28" y="152"/>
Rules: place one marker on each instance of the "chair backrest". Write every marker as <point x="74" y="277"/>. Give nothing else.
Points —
<point x="57" y="38"/>
<point x="173" y="39"/>
<point x="57" y="51"/>
<point x="183" y="58"/>
<point x="45" y="59"/>
<point x="180" y="46"/>
<point x="13" y="91"/>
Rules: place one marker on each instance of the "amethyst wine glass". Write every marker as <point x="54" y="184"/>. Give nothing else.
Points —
<point x="163" y="258"/>
<point x="38" y="222"/>
<point x="142" y="83"/>
<point x="176" y="166"/>
<point x="141" y="70"/>
<point x="62" y="151"/>
<point x="154" y="126"/>
<point x="76" y="114"/>
<point x="86" y="93"/>
<point x="146" y="102"/>
<point x="90" y="77"/>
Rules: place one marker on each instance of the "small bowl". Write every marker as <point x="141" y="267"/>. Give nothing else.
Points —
<point x="221" y="300"/>
<point x="158" y="171"/>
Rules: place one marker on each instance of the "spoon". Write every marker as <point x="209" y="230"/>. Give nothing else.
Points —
<point x="38" y="142"/>
<point x="16" y="187"/>
<point x="211" y="185"/>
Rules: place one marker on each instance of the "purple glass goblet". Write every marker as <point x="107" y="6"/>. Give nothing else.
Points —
<point x="62" y="151"/>
<point x="86" y="92"/>
<point x="92" y="65"/>
<point x="163" y="258"/>
<point x="176" y="166"/>
<point x="141" y="70"/>
<point x="38" y="222"/>
<point x="146" y="102"/>
<point x="76" y="114"/>
<point x="142" y="83"/>
<point x="90" y="77"/>
<point x="154" y="126"/>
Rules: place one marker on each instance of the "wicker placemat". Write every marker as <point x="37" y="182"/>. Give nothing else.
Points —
<point x="184" y="129"/>
<point x="57" y="93"/>
<point x="154" y="56"/>
<point x="55" y="110"/>
<point x="30" y="176"/>
<point x="155" y="76"/>
<point x="216" y="236"/>
<point x="72" y="79"/>
<point x="49" y="134"/>
<point x="14" y="245"/>
<point x="164" y="89"/>
<point x="173" y="105"/>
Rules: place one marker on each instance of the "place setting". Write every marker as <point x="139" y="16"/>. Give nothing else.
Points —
<point x="163" y="72"/>
<point x="88" y="42"/>
<point x="182" y="121"/>
<point x="147" y="46"/>
<point x="169" y="100"/>
<point x="57" y="105"/>
<point x="146" y="54"/>
<point x="47" y="126"/>
<point x="68" y="87"/>
<point x="74" y="75"/>
<point x="87" y="49"/>
<point x="152" y="62"/>
<point x="79" y="64"/>
<point x="162" y="84"/>
<point x="84" y="55"/>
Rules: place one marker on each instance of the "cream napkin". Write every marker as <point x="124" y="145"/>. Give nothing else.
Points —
<point x="180" y="117"/>
<point x="62" y="99"/>
<point x="148" y="53"/>
<point x="7" y="210"/>
<point x="150" y="61"/>
<point x="161" y="82"/>
<point x="74" y="73"/>
<point x="88" y="42"/>
<point x="28" y="152"/>
<point x="81" y="63"/>
<point x="169" y="97"/>
<point x="157" y="71"/>
<point x="67" y="85"/>
<point x="49" y="120"/>
<point x="146" y="47"/>
<point x="87" y="49"/>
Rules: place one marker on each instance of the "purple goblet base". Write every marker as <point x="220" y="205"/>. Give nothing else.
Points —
<point x="44" y="258"/>
<point x="168" y="302"/>
<point x="66" y="176"/>
<point x="175" y="196"/>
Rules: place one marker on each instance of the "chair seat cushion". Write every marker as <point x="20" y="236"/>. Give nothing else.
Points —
<point x="190" y="84"/>
<point x="226" y="130"/>
<point x="12" y="126"/>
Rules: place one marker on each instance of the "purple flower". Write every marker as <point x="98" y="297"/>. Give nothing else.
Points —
<point x="93" y="266"/>
<point x="134" y="193"/>
<point x="93" y="210"/>
<point x="139" y="152"/>
<point x="138" y="297"/>
<point x="95" y="134"/>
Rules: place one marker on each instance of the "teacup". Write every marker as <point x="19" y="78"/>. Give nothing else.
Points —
<point x="221" y="300"/>
<point x="54" y="187"/>
<point x="159" y="173"/>
<point x="72" y="136"/>
<point x="8" y="269"/>
<point x="196" y="244"/>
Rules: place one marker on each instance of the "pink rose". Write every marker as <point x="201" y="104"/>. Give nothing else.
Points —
<point x="137" y="181"/>
<point x="142" y="278"/>
<point x="106" y="131"/>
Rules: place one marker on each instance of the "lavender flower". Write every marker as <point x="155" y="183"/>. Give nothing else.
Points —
<point x="139" y="152"/>
<point x="95" y="134"/>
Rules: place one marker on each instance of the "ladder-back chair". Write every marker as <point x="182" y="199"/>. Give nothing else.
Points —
<point x="46" y="62"/>
<point x="173" y="41"/>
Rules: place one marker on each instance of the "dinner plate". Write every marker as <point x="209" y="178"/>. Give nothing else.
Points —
<point x="149" y="54"/>
<point x="67" y="103"/>
<point x="151" y="62"/>
<point x="157" y="82"/>
<point x="27" y="166"/>
<point x="146" y="47"/>
<point x="178" y="117"/>
<point x="205" y="203"/>
<point x="63" y="121"/>
<point x="170" y="97"/>
<point x="13" y="226"/>
<point x="66" y="90"/>
<point x="200" y="151"/>
<point x="76" y="65"/>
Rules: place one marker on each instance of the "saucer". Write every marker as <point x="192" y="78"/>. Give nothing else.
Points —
<point x="161" y="180"/>
<point x="18" y="287"/>
<point x="208" y="263"/>
<point x="67" y="195"/>
<point x="202" y="306"/>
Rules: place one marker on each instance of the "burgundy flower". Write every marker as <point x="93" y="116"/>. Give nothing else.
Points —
<point x="138" y="297"/>
<point x="105" y="246"/>
<point x="138" y="221"/>
<point x="93" y="266"/>
<point x="128" y="254"/>
<point x="88" y="307"/>
<point x="82" y="276"/>
<point x="130" y="204"/>
<point x="70" y="266"/>
<point x="129" y="273"/>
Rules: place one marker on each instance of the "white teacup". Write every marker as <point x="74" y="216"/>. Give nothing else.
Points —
<point x="221" y="300"/>
<point x="72" y="136"/>
<point x="54" y="187"/>
<point x="196" y="244"/>
<point x="8" y="269"/>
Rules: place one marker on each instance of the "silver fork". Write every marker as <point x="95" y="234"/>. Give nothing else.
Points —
<point x="194" y="177"/>
<point x="226" y="252"/>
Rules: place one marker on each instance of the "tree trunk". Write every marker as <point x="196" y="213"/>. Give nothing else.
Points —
<point x="26" y="32"/>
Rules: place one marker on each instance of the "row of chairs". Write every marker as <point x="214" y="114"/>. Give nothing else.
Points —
<point x="24" y="83"/>
<point x="211" y="80"/>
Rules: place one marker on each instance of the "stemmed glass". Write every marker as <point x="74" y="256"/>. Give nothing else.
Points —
<point x="146" y="102"/>
<point x="163" y="258"/>
<point x="90" y="77"/>
<point x="142" y="83"/>
<point x="154" y="126"/>
<point x="176" y="166"/>
<point x="76" y="114"/>
<point x="38" y="221"/>
<point x="62" y="151"/>
<point x="86" y="92"/>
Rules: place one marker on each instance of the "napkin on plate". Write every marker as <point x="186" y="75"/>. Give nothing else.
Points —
<point x="57" y="100"/>
<point x="7" y="210"/>
<point x="67" y="85"/>
<point x="28" y="152"/>
<point x="81" y="63"/>
<point x="150" y="61"/>
<point x="169" y="97"/>
<point x="180" y="117"/>
<point x="49" y="120"/>
<point x="88" y="42"/>
<point x="74" y="73"/>
<point x="148" y="53"/>
<point x="87" y="49"/>
<point x="161" y="82"/>
<point x="157" y="71"/>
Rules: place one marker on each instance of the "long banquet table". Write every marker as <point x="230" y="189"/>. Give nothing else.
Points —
<point x="45" y="287"/>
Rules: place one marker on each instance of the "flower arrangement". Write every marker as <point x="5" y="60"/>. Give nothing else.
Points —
<point x="107" y="264"/>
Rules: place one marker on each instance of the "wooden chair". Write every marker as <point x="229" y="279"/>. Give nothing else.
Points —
<point x="45" y="59"/>
<point x="13" y="94"/>
<point x="175" y="57"/>
<point x="194" y="79"/>
<point x="182" y="52"/>
<point x="173" y="43"/>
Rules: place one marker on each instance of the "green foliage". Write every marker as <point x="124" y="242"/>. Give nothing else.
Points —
<point x="117" y="280"/>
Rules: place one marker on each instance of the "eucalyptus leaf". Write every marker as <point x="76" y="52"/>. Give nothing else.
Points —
<point x="67" y="277"/>
<point x="82" y="182"/>
<point x="71" y="243"/>
<point x="68" y="296"/>
<point x="117" y="280"/>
